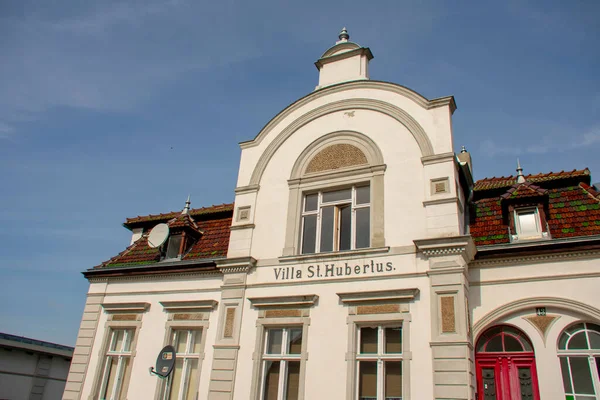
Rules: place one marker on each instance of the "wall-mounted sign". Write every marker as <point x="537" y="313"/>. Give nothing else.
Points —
<point x="333" y="270"/>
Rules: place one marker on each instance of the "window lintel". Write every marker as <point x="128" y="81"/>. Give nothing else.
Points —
<point x="125" y="307"/>
<point x="189" y="305"/>
<point x="401" y="295"/>
<point x="308" y="300"/>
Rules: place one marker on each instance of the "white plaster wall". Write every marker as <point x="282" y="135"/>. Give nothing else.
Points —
<point x="327" y="341"/>
<point x="403" y="180"/>
<point x="573" y="280"/>
<point x="348" y="69"/>
<point x="151" y="336"/>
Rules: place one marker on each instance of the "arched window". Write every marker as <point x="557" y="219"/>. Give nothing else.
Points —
<point x="503" y="339"/>
<point x="579" y="353"/>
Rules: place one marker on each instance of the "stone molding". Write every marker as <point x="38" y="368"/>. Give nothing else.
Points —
<point x="236" y="265"/>
<point x="307" y="300"/>
<point x="338" y="255"/>
<point x="383" y="107"/>
<point x="447" y="200"/>
<point x="247" y="189"/>
<point x="125" y="307"/>
<point x="438" y="158"/>
<point x="326" y="59"/>
<point x="531" y="303"/>
<point x="189" y="305"/>
<point x="347" y="86"/>
<point x="243" y="226"/>
<point x="142" y="277"/>
<point x="400" y="295"/>
<point x="536" y="258"/>
<point x="439" y="247"/>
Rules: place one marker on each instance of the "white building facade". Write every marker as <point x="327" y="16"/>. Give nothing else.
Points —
<point x="359" y="261"/>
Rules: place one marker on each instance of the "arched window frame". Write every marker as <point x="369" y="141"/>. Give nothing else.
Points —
<point x="301" y="182"/>
<point x="503" y="331"/>
<point x="567" y="355"/>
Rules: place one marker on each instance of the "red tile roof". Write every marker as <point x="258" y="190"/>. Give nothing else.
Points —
<point x="194" y="212"/>
<point x="495" y="183"/>
<point x="522" y="190"/>
<point x="214" y="223"/>
<point x="572" y="211"/>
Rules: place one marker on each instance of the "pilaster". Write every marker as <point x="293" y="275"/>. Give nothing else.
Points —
<point x="451" y="338"/>
<point x="227" y="345"/>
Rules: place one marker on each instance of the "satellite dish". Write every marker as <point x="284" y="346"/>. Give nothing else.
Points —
<point x="158" y="235"/>
<point x="164" y="362"/>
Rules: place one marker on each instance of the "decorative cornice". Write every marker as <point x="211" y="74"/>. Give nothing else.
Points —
<point x="186" y="275"/>
<point x="189" y="305"/>
<point x="347" y="86"/>
<point x="445" y="246"/>
<point x="535" y="258"/>
<point x="341" y="56"/>
<point x="236" y="265"/>
<point x="400" y="295"/>
<point x="307" y="300"/>
<point x="125" y="307"/>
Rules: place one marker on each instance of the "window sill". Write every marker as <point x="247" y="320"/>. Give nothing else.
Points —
<point x="334" y="254"/>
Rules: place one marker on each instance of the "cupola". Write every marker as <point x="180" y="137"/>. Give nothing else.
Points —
<point x="344" y="62"/>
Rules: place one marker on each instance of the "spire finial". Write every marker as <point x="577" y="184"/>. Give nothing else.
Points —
<point x="520" y="176"/>
<point x="344" y="35"/>
<point x="186" y="209"/>
<point x="463" y="149"/>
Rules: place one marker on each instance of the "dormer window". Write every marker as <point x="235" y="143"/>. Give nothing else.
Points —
<point x="173" y="247"/>
<point x="527" y="223"/>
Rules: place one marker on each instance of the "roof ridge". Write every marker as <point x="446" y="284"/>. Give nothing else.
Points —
<point x="590" y="191"/>
<point x="141" y="218"/>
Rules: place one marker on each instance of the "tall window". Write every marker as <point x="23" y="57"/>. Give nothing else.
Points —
<point x="182" y="384"/>
<point x="379" y="363"/>
<point x="579" y="352"/>
<point x="117" y="364"/>
<point x="281" y="361"/>
<point x="336" y="220"/>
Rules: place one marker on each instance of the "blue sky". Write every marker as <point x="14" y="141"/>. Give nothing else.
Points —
<point x="115" y="109"/>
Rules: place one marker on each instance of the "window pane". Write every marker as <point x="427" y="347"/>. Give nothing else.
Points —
<point x="112" y="377"/>
<point x="117" y="344"/>
<point x="293" y="380"/>
<point x="528" y="223"/>
<point x="345" y="227"/>
<point x="311" y="203"/>
<point x="363" y="228"/>
<point x="180" y="341"/>
<point x="173" y="246"/>
<point x="275" y="337"/>
<point x="363" y="195"/>
<point x="512" y="344"/>
<point x="176" y="379"/>
<point x="578" y="341"/>
<point x="327" y="216"/>
<point x="368" y="340"/>
<point x="309" y="234"/>
<point x="495" y="344"/>
<point x="295" y="345"/>
<point x="594" y="340"/>
<point x="562" y="343"/>
<point x="367" y="381"/>
<point x="393" y="340"/>
<point x="337" y="195"/>
<point x="192" y="379"/>
<point x="127" y="337"/>
<point x="564" y="367"/>
<point x="196" y="341"/>
<point x="271" y="380"/>
<point x="393" y="380"/>
<point x="582" y="378"/>
<point x="525" y="383"/>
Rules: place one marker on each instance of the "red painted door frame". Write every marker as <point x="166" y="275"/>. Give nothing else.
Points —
<point x="506" y="371"/>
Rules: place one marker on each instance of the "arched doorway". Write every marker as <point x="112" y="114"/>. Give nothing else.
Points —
<point x="505" y="365"/>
